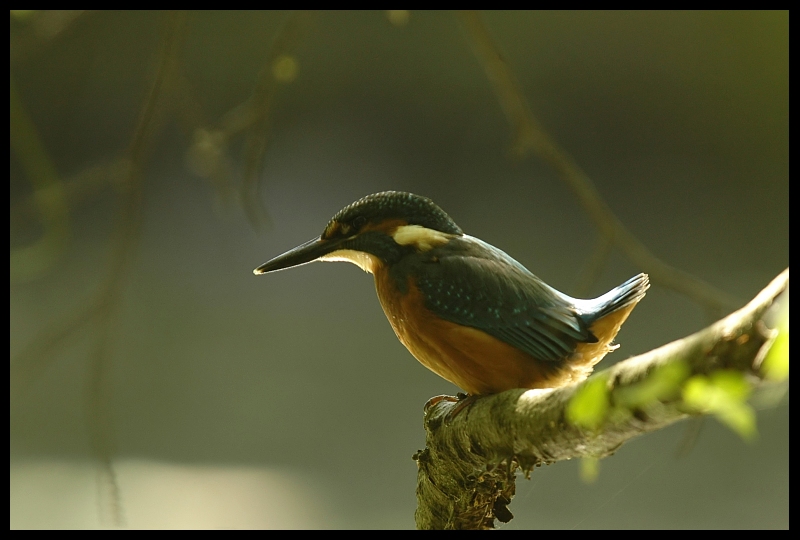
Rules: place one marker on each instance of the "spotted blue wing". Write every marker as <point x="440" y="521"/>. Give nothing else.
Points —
<point x="506" y="301"/>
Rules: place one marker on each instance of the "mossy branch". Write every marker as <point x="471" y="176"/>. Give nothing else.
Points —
<point x="466" y="473"/>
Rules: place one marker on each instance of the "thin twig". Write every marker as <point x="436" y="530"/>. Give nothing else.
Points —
<point x="531" y="136"/>
<point x="78" y="189"/>
<point x="104" y="307"/>
<point x="254" y="115"/>
<point x="36" y="356"/>
<point x="48" y="196"/>
<point x="125" y="240"/>
<point x="39" y="32"/>
<point x="207" y="155"/>
<point x="592" y="269"/>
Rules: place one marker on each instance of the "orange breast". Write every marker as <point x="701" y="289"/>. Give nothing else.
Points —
<point x="469" y="358"/>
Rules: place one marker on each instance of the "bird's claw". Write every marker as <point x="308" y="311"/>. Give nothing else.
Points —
<point x="438" y="399"/>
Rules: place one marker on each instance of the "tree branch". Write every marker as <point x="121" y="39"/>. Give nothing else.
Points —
<point x="466" y="472"/>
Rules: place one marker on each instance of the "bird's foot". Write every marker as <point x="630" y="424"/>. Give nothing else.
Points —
<point x="438" y="399"/>
<point x="463" y="401"/>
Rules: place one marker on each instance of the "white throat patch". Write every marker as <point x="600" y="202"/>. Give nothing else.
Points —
<point x="365" y="261"/>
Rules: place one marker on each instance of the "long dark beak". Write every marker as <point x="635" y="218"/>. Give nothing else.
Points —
<point x="302" y="254"/>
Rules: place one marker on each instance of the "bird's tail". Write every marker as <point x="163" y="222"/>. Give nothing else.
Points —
<point x="625" y="295"/>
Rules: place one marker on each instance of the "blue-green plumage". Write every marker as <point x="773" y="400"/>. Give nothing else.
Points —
<point x="464" y="308"/>
<point x="472" y="283"/>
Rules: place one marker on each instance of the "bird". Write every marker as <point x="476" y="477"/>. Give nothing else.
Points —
<point x="464" y="308"/>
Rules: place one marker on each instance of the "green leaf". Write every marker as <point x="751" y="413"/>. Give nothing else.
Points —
<point x="590" y="469"/>
<point x="724" y="394"/>
<point x="589" y="406"/>
<point x="662" y="384"/>
<point x="776" y="364"/>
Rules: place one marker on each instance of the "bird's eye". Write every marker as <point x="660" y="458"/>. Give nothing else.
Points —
<point x="359" y="222"/>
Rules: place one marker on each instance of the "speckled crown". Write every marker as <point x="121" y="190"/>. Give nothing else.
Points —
<point x="414" y="209"/>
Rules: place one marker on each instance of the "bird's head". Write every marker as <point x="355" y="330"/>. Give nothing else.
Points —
<point x="374" y="231"/>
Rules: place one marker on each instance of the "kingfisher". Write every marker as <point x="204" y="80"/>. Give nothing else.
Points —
<point x="465" y="309"/>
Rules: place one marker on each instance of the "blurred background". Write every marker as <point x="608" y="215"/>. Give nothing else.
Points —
<point x="156" y="159"/>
